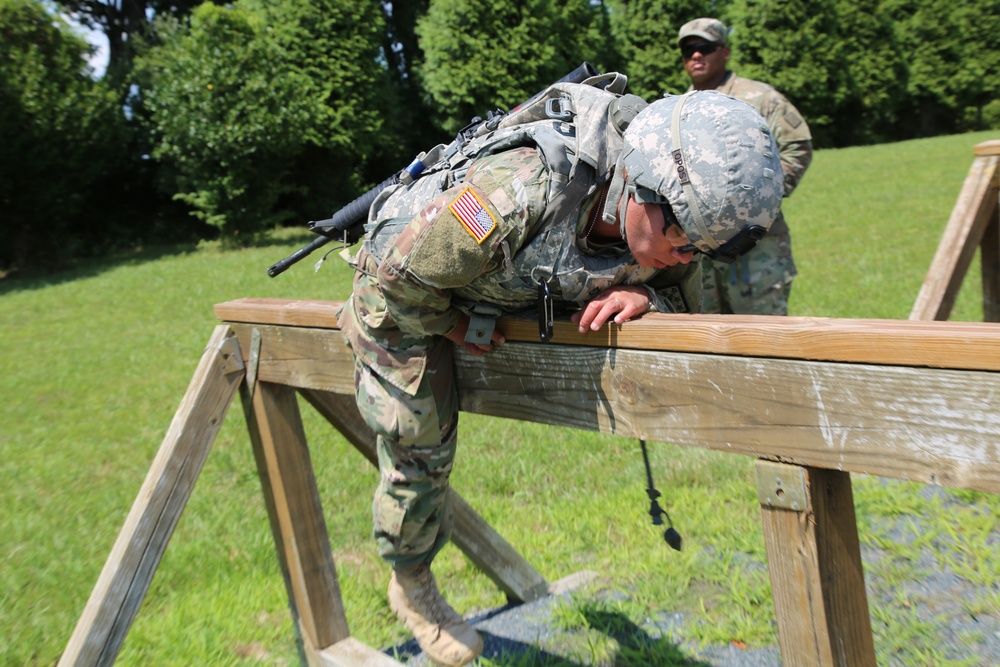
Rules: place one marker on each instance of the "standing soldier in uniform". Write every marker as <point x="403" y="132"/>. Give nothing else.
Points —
<point x="587" y="197"/>
<point x="761" y="281"/>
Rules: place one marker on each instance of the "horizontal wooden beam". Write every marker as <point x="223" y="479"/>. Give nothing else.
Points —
<point x="930" y="425"/>
<point x="966" y="345"/>
<point x="987" y="148"/>
<point x="924" y="424"/>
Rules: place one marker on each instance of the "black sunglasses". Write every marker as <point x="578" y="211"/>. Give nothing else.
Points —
<point x="732" y="249"/>
<point x="704" y="48"/>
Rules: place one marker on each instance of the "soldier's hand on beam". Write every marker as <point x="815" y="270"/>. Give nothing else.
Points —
<point x="620" y="303"/>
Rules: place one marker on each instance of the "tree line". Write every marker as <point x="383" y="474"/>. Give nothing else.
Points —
<point x="225" y="120"/>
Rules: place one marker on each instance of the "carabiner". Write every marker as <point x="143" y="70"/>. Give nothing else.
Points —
<point x="546" y="311"/>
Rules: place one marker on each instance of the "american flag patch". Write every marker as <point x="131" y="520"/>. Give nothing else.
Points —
<point x="473" y="215"/>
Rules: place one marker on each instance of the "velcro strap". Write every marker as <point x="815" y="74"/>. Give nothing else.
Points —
<point x="482" y="322"/>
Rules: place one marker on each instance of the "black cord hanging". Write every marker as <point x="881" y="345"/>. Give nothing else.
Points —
<point x="672" y="537"/>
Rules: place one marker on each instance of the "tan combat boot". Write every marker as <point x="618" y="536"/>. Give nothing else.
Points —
<point x="440" y="631"/>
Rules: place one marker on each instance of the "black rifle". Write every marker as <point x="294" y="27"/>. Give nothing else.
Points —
<point x="348" y="224"/>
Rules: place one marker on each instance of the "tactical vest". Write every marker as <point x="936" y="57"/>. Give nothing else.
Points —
<point x="577" y="129"/>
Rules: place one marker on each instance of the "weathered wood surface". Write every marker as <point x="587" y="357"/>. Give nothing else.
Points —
<point x="296" y="515"/>
<point x="487" y="550"/>
<point x="352" y="653"/>
<point x="987" y="148"/>
<point x="129" y="569"/>
<point x="301" y="358"/>
<point x="974" y="211"/>
<point x="817" y="579"/>
<point x="931" y="425"/>
<point x="924" y="424"/>
<point x="971" y="345"/>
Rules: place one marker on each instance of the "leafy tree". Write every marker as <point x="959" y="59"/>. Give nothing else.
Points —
<point x="878" y="74"/>
<point x="355" y="125"/>
<point x="58" y="132"/>
<point x="226" y="116"/>
<point x="404" y="58"/>
<point x="646" y="34"/>
<point x="795" y="46"/>
<point x="123" y="22"/>
<point x="480" y="56"/>
<point x="931" y="45"/>
<point x="253" y="98"/>
<point x="978" y="24"/>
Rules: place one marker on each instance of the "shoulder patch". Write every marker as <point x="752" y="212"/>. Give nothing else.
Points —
<point x="473" y="214"/>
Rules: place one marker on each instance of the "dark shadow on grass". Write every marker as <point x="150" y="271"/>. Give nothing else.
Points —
<point x="94" y="266"/>
<point x="90" y="267"/>
<point x="500" y="650"/>
<point x="636" y="647"/>
<point x="522" y="640"/>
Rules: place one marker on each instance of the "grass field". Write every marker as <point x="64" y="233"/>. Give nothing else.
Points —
<point x="94" y="362"/>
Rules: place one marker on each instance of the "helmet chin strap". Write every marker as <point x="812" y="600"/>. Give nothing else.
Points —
<point x="616" y="203"/>
<point x="623" y="211"/>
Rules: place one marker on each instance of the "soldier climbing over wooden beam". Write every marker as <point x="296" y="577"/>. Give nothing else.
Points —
<point x="585" y="199"/>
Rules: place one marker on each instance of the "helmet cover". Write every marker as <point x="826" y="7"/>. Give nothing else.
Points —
<point x="709" y="156"/>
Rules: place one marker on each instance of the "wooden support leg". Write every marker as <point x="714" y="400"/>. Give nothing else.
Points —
<point x="990" y="269"/>
<point x="129" y="570"/>
<point x="814" y="559"/>
<point x="471" y="534"/>
<point x="296" y="515"/>
<point x="962" y="235"/>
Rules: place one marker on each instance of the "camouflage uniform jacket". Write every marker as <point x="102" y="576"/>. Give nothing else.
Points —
<point x="484" y="240"/>
<point x="790" y="130"/>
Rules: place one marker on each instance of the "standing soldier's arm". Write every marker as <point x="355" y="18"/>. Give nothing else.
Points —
<point x="791" y="133"/>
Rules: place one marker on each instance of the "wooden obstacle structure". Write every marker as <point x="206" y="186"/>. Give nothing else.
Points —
<point x="973" y="223"/>
<point x="812" y="399"/>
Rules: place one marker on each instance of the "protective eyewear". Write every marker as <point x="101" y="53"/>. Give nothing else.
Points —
<point x="704" y="48"/>
<point x="731" y="250"/>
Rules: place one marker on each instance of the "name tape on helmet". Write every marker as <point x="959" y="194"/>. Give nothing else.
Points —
<point x="682" y="172"/>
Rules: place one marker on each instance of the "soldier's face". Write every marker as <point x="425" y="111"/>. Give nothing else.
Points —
<point x="654" y="243"/>
<point x="705" y="69"/>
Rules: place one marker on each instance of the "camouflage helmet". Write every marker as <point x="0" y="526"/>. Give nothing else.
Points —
<point x="711" y="160"/>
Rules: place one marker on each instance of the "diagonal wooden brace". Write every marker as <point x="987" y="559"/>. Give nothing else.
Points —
<point x="128" y="572"/>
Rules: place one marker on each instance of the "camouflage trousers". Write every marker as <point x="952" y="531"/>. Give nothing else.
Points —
<point x="417" y="434"/>
<point x="758" y="283"/>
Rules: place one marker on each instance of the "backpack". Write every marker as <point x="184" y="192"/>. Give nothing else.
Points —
<point x="577" y="128"/>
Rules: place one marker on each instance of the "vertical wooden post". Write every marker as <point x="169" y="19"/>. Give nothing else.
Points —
<point x="296" y="515"/>
<point x="814" y="559"/>
<point x="137" y="552"/>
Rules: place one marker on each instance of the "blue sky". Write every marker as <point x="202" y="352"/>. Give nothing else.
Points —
<point x="99" y="61"/>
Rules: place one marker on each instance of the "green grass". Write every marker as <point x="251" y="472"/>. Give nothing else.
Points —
<point x="94" y="362"/>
